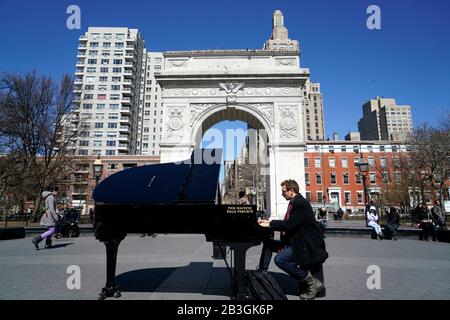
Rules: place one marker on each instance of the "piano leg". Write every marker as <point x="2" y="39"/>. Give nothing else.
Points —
<point x="111" y="289"/>
<point x="240" y="251"/>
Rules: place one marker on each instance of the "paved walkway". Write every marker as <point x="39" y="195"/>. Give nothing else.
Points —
<point x="180" y="267"/>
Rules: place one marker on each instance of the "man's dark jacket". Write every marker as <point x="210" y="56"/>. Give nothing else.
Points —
<point x="304" y="235"/>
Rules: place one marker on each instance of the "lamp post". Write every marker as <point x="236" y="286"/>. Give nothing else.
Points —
<point x="363" y="168"/>
<point x="98" y="169"/>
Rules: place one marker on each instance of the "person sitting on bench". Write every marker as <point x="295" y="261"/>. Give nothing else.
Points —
<point x="372" y="218"/>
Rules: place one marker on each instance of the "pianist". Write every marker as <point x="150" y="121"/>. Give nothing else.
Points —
<point x="305" y="249"/>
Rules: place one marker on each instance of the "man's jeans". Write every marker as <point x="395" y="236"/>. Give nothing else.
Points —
<point x="285" y="261"/>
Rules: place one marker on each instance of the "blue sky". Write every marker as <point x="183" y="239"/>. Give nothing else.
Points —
<point x="408" y="59"/>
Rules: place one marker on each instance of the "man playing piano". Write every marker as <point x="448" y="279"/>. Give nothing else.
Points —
<point x="305" y="250"/>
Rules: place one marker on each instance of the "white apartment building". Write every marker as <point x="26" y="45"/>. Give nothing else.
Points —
<point x="383" y="119"/>
<point x="149" y="132"/>
<point x="107" y="91"/>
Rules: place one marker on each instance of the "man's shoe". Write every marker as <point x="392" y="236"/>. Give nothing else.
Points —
<point x="36" y="241"/>
<point x="313" y="287"/>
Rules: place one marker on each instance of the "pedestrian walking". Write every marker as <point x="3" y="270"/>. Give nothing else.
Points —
<point x="49" y="219"/>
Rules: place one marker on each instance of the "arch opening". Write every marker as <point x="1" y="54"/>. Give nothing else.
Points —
<point x="245" y="163"/>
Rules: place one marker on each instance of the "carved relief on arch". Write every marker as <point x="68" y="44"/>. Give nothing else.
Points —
<point x="288" y="121"/>
<point x="198" y="108"/>
<point x="175" y="122"/>
<point x="264" y="109"/>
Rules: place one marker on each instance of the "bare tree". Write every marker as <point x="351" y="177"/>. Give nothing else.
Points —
<point x="430" y="159"/>
<point x="34" y="133"/>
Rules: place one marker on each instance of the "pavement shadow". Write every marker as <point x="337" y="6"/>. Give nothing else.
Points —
<point x="197" y="277"/>
<point x="143" y="280"/>
<point x="289" y="285"/>
<point x="57" y="246"/>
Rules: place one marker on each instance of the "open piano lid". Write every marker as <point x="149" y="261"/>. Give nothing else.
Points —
<point x="190" y="181"/>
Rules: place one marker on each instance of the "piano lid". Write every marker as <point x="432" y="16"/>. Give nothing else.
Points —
<point x="190" y="181"/>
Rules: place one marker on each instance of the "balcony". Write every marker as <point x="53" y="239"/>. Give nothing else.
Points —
<point x="124" y="120"/>
<point x="123" y="137"/>
<point x="124" y="129"/>
<point x="83" y="38"/>
<point x="125" y="110"/>
<point x="126" y="100"/>
<point x="126" y="91"/>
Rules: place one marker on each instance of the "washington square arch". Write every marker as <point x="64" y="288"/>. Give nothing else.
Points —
<point x="260" y="87"/>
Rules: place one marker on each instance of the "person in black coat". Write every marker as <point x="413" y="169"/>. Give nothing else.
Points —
<point x="421" y="217"/>
<point x="305" y="248"/>
<point x="393" y="222"/>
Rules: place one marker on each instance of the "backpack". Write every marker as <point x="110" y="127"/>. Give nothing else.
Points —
<point x="262" y="286"/>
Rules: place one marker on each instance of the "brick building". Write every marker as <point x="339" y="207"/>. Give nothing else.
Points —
<point x="331" y="175"/>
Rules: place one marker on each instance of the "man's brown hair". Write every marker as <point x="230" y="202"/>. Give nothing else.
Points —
<point x="291" y="185"/>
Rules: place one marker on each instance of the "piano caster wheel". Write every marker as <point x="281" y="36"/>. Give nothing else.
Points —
<point x="109" y="292"/>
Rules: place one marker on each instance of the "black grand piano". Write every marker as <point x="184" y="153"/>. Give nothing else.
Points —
<point x="174" y="198"/>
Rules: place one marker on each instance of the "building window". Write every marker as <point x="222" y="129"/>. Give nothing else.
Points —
<point x="307" y="179"/>
<point x="397" y="177"/>
<point x="110" y="152"/>
<point x="113" y="166"/>
<point x="317" y="162"/>
<point x="383" y="162"/>
<point x="371" y="161"/>
<point x="306" y="162"/>
<point x="319" y="196"/>
<point x="318" y="178"/>
<point x="347" y="197"/>
<point x="360" y="197"/>
<point x="344" y="162"/>
<point x="332" y="162"/>
<point x="358" y="178"/>
<point x="345" y="176"/>
<point x="372" y="178"/>
<point x="97" y="143"/>
<point x="308" y="196"/>
<point x="110" y="143"/>
<point x="333" y="178"/>
<point x="385" y="176"/>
